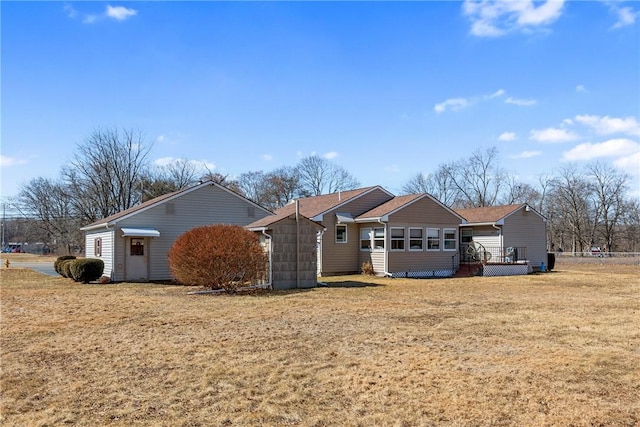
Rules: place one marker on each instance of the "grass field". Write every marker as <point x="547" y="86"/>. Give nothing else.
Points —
<point x="561" y="348"/>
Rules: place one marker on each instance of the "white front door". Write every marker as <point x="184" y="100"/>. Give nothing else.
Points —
<point x="137" y="268"/>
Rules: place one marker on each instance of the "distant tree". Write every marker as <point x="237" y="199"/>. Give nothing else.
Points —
<point x="609" y="187"/>
<point x="104" y="175"/>
<point x="168" y="178"/>
<point x="223" y="180"/>
<point x="218" y="257"/>
<point x="439" y="184"/>
<point x="479" y="179"/>
<point x="321" y="176"/>
<point x="49" y="207"/>
<point x="281" y="186"/>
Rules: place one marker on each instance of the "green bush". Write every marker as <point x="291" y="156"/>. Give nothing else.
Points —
<point x="86" y="270"/>
<point x="65" y="268"/>
<point x="56" y="264"/>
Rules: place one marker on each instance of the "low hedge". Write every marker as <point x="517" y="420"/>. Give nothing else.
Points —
<point x="58" y="262"/>
<point x="86" y="270"/>
<point x="65" y="268"/>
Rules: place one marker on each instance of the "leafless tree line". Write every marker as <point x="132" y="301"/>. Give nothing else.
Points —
<point x="584" y="207"/>
<point x="111" y="171"/>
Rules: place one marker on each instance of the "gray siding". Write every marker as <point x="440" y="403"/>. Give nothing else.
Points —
<point x="205" y="206"/>
<point x="527" y="229"/>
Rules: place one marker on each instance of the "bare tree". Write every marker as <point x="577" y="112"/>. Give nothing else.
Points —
<point x="252" y="186"/>
<point x="320" y="176"/>
<point x="439" y="184"/>
<point x="104" y="175"/>
<point x="515" y="191"/>
<point x="49" y="207"/>
<point x="281" y="186"/>
<point x="609" y="186"/>
<point x="168" y="178"/>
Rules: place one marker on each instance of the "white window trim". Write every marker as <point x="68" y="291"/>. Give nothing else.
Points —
<point x="421" y="239"/>
<point x="346" y="233"/>
<point x="439" y="240"/>
<point x="397" y="239"/>
<point x="373" y="239"/>
<point x="368" y="230"/>
<point x="455" y="239"/>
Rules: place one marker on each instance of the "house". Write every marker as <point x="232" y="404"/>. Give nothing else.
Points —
<point x="134" y="243"/>
<point x="413" y="235"/>
<point x="291" y="243"/>
<point x="504" y="234"/>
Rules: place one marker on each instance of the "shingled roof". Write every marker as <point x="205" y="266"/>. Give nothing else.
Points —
<point x="316" y="205"/>
<point x="391" y="206"/>
<point x="488" y="214"/>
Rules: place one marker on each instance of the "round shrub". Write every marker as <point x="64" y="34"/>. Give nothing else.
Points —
<point x="65" y="268"/>
<point x="87" y="269"/>
<point x="218" y="257"/>
<point x="58" y="261"/>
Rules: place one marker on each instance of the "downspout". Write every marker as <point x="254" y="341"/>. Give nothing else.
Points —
<point x="297" y="244"/>
<point x="501" y="241"/>
<point x="319" y="253"/>
<point x="386" y="250"/>
<point x="266" y="235"/>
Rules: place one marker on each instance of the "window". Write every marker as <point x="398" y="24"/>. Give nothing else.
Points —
<point x="378" y="238"/>
<point x="97" y="246"/>
<point x="433" y="239"/>
<point x="137" y="246"/>
<point x="397" y="239"/>
<point x="449" y="239"/>
<point x="415" y="239"/>
<point x="365" y="239"/>
<point x="341" y="233"/>
<point x="466" y="235"/>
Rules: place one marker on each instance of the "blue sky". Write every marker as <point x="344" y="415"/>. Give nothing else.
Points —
<point x="384" y="89"/>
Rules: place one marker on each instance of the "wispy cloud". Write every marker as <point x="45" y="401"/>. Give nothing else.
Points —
<point x="618" y="147"/>
<point x="629" y="164"/>
<point x="610" y="125"/>
<point x="580" y="89"/>
<point x="330" y="155"/>
<point x="494" y="18"/>
<point x="526" y="155"/>
<point x="497" y="94"/>
<point x="507" y="136"/>
<point x="6" y="161"/>
<point x="118" y="13"/>
<point x="453" y="104"/>
<point x="267" y="157"/>
<point x="625" y="16"/>
<point x="520" y="102"/>
<point x="552" y="135"/>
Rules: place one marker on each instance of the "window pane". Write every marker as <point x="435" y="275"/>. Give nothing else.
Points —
<point x="378" y="232"/>
<point x="397" y="233"/>
<point x="365" y="238"/>
<point x="415" y="233"/>
<point x="137" y="247"/>
<point x="341" y="233"/>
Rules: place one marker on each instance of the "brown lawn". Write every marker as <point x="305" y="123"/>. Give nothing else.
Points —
<point x="561" y="348"/>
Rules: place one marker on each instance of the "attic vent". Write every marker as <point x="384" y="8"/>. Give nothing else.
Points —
<point x="170" y="208"/>
<point x="251" y="211"/>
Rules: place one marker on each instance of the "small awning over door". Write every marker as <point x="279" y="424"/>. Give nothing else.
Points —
<point x="140" y="232"/>
<point x="344" y="217"/>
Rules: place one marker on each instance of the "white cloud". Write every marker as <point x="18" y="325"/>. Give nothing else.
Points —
<point x="6" y="161"/>
<point x="526" y="155"/>
<point x="163" y="161"/>
<point x="120" y="13"/>
<point x="552" y="135"/>
<point x="160" y="138"/>
<point x="629" y="164"/>
<point x="493" y="18"/>
<point x="267" y="157"/>
<point x="580" y="89"/>
<point x="507" y="136"/>
<point x="497" y="93"/>
<point x="453" y="104"/>
<point x="392" y="168"/>
<point x="610" y="125"/>
<point x="520" y="102"/>
<point x="330" y="155"/>
<point x="618" y="147"/>
<point x="626" y="16"/>
<point x="70" y="11"/>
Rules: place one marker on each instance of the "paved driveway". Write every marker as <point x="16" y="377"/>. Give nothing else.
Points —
<point x="41" y="267"/>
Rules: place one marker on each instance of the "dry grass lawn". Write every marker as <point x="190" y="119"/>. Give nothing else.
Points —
<point x="561" y="348"/>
